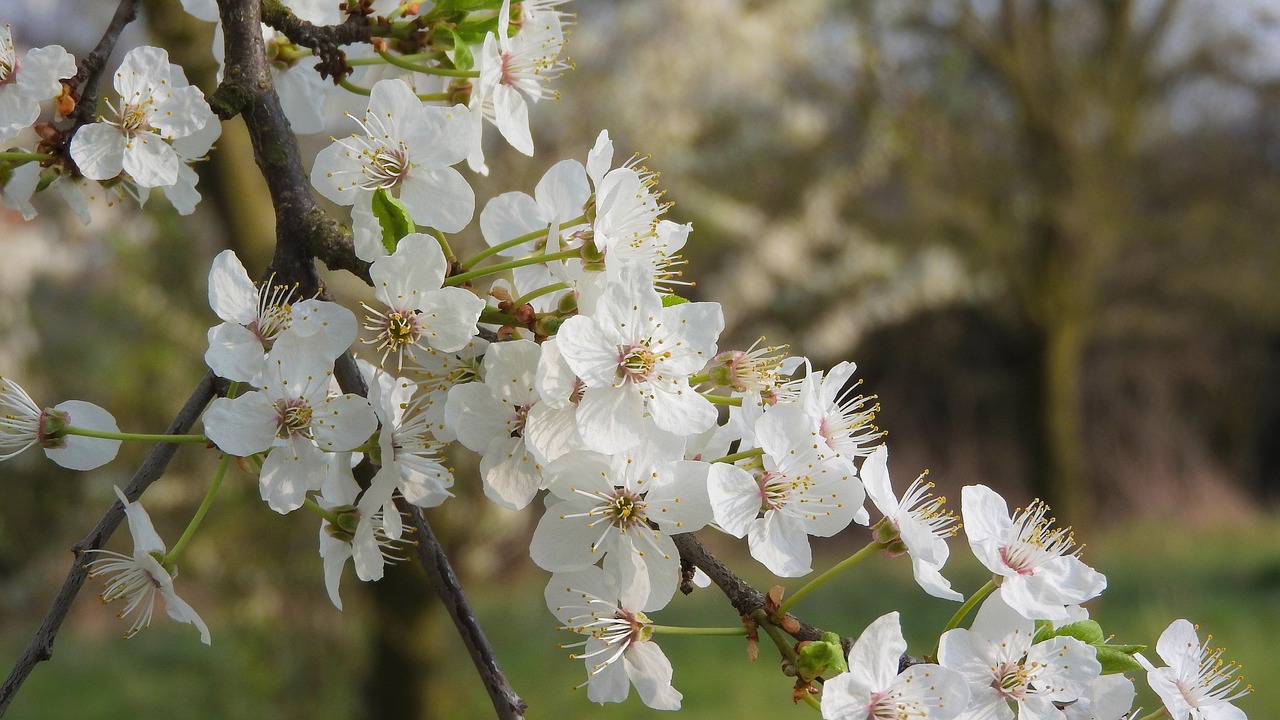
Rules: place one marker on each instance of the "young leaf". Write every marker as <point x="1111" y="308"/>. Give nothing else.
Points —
<point x="393" y="218"/>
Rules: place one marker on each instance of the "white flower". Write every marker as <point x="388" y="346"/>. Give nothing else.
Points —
<point x="408" y="450"/>
<point x="23" y="424"/>
<point x="636" y="357"/>
<point x="138" y="578"/>
<point x="489" y="418"/>
<point x="1110" y="698"/>
<point x="515" y="71"/>
<point x="420" y="312"/>
<point x="1197" y="683"/>
<point x="156" y="107"/>
<point x="360" y="534"/>
<point x="1037" y="570"/>
<point x="873" y="688"/>
<point x="921" y="522"/>
<point x="843" y="418"/>
<point x="27" y="81"/>
<point x="1001" y="665"/>
<point x="623" y="508"/>
<point x="255" y="316"/>
<point x="295" y="416"/>
<point x="619" y="650"/>
<point x="792" y="494"/>
<point x="407" y="148"/>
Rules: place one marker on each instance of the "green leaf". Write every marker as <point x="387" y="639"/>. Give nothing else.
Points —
<point x="816" y="658"/>
<point x="393" y="217"/>
<point x="462" y="57"/>
<point x="1086" y="631"/>
<point x="1114" y="659"/>
<point x="1044" y="631"/>
<point x="669" y="300"/>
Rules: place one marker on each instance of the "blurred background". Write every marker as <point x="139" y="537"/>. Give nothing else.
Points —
<point x="1045" y="231"/>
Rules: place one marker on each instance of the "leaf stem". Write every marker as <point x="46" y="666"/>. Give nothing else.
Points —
<point x="492" y="269"/>
<point x="178" y="547"/>
<point x="722" y="400"/>
<point x="674" y="630"/>
<point x="735" y="457"/>
<point x="136" y="437"/>
<point x="836" y="569"/>
<point x="524" y="299"/>
<point x="533" y="235"/>
<point x="427" y="69"/>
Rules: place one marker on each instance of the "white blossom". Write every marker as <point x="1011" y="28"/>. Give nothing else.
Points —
<point x="28" y="80"/>
<point x="1196" y="683"/>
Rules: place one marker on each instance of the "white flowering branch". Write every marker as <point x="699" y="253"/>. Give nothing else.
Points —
<point x="40" y="648"/>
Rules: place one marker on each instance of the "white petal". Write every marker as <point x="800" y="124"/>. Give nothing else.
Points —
<point x="441" y="199"/>
<point x="650" y="671"/>
<point x="735" y="498"/>
<point x="85" y="453"/>
<point x="98" y="150"/>
<point x="150" y="161"/>
<point x="610" y="420"/>
<point x="288" y="473"/>
<point x="781" y="545"/>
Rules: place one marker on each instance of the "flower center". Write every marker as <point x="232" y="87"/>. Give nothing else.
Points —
<point x="386" y="167"/>
<point x="1011" y="681"/>
<point x="396" y="331"/>
<point x="522" y="417"/>
<point x="134" y="119"/>
<point x="1036" y="541"/>
<point x="637" y="363"/>
<point x="7" y="73"/>
<point x="625" y="510"/>
<point x="293" y="417"/>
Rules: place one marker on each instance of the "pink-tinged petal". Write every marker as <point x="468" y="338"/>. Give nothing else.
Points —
<point x="85" y="453"/>
<point x="150" y="161"/>
<point x="611" y="420"/>
<point x="449" y="317"/>
<point x="98" y="151"/>
<point x="289" y="473"/>
<point x="780" y="544"/>
<point x="241" y="426"/>
<point x="511" y="475"/>
<point x="441" y="199"/>
<point x="681" y="410"/>
<point x="735" y="498"/>
<point x="507" y="217"/>
<point x="563" y="190"/>
<point x="874" y="657"/>
<point x="650" y="671"/>
<point x="511" y="115"/>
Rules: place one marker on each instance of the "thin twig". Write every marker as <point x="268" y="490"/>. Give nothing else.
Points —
<point x="506" y="703"/>
<point x="41" y="646"/>
<point x="89" y="72"/>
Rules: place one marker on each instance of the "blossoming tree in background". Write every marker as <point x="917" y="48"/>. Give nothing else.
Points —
<point x="562" y="353"/>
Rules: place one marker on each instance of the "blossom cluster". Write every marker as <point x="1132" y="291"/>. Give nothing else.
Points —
<point x="580" y="377"/>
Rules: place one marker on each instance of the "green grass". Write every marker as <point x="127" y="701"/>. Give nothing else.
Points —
<point x="1227" y="582"/>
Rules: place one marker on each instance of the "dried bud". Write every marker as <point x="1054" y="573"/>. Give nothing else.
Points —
<point x="66" y="101"/>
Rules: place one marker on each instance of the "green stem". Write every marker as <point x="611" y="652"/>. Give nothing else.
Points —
<point x="698" y="379"/>
<point x="314" y="507"/>
<point x="349" y="86"/>
<point x="136" y="437"/>
<point x="354" y="62"/>
<point x="178" y="547"/>
<point x="1162" y="712"/>
<point x="775" y="633"/>
<point x="493" y="317"/>
<point x="530" y="260"/>
<point x="524" y="299"/>
<point x="673" y="630"/>
<point x="722" y="400"/>
<point x="444" y="245"/>
<point x="24" y="157"/>
<point x="968" y="605"/>
<point x="534" y="235"/>
<point x="427" y="69"/>
<point x="434" y="97"/>
<point x="836" y="569"/>
<point x="735" y="457"/>
<point x="812" y="701"/>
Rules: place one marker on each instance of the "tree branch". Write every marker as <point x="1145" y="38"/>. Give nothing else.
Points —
<point x="41" y="646"/>
<point x="89" y="72"/>
<point x="303" y="230"/>
<point x="506" y="703"/>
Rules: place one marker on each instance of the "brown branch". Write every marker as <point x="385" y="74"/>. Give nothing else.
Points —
<point x="41" y="646"/>
<point x="89" y="71"/>
<point x="506" y="703"/>
<point x="356" y="29"/>
<point x="303" y="231"/>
